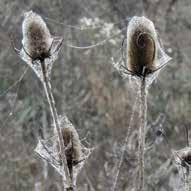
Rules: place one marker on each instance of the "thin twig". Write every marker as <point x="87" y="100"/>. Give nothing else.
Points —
<point x="124" y="147"/>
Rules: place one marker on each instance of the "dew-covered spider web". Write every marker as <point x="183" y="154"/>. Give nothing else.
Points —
<point x="11" y="94"/>
<point x="36" y="65"/>
<point x="48" y="151"/>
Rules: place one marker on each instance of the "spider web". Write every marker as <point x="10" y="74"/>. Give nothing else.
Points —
<point x="36" y="65"/>
<point x="12" y="99"/>
<point x="47" y="150"/>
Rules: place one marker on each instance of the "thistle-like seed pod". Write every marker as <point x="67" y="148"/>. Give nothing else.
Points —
<point x="73" y="148"/>
<point x="141" y="46"/>
<point x="183" y="157"/>
<point x="72" y="144"/>
<point x="36" y="37"/>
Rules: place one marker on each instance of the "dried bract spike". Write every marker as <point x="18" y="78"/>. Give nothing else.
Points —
<point x="36" y="37"/>
<point x="141" y="46"/>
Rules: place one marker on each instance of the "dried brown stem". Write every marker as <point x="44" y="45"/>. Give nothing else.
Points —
<point x="50" y="98"/>
<point x="143" y="117"/>
<point x="188" y="179"/>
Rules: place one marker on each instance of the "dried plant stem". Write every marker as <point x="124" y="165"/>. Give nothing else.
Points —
<point x="143" y="118"/>
<point x="188" y="180"/>
<point x="125" y="144"/>
<point x="50" y="98"/>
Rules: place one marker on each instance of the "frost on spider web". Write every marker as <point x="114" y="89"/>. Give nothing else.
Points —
<point x="118" y="65"/>
<point x="162" y="59"/>
<point x="48" y="150"/>
<point x="114" y="168"/>
<point x="36" y="65"/>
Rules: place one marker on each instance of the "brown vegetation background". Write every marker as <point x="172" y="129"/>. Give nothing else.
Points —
<point x="93" y="95"/>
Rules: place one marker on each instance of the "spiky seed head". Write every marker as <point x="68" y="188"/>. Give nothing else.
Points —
<point x="36" y="36"/>
<point x="73" y="149"/>
<point x="141" y="46"/>
<point x="70" y="136"/>
<point x="183" y="156"/>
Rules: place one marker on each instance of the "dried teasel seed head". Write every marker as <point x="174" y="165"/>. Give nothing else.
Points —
<point x="72" y="143"/>
<point x="36" y="37"/>
<point x="141" y="46"/>
<point x="73" y="149"/>
<point x="70" y="135"/>
<point x="183" y="156"/>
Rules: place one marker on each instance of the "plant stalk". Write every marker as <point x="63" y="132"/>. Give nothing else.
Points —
<point x="143" y="118"/>
<point x="51" y="101"/>
<point x="188" y="179"/>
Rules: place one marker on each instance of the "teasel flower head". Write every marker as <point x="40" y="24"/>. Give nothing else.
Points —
<point x="37" y="39"/>
<point x="72" y="143"/>
<point x="38" y="45"/>
<point x="144" y="52"/>
<point x="141" y="46"/>
<point x="183" y="157"/>
<point x="76" y="153"/>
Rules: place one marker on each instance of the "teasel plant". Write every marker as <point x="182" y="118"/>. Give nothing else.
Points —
<point x="182" y="159"/>
<point x="40" y="50"/>
<point x="142" y="59"/>
<point x="76" y="153"/>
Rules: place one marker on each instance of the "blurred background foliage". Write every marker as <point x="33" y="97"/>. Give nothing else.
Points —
<point x="92" y="94"/>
